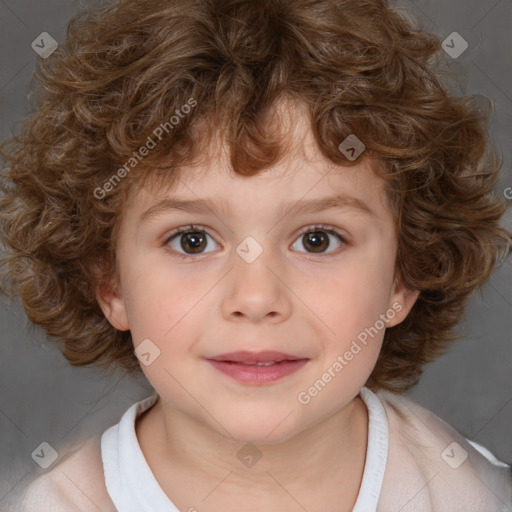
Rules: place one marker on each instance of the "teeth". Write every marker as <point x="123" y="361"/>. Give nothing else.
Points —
<point x="269" y="363"/>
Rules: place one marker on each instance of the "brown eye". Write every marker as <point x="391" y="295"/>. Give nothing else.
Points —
<point x="194" y="240"/>
<point x="317" y="239"/>
<point x="191" y="241"/>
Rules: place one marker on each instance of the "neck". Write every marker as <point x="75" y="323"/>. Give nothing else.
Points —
<point x="330" y="455"/>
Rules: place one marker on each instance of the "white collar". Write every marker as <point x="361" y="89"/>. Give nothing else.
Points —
<point x="133" y="487"/>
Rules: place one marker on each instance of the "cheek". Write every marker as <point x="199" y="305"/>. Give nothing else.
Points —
<point x="165" y="307"/>
<point x="159" y="296"/>
<point x="351" y="304"/>
<point x="165" y="313"/>
<point x="356" y="294"/>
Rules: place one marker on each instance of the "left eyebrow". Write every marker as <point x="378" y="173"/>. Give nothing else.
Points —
<point x="339" y="201"/>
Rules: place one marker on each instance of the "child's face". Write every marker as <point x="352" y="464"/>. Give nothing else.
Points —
<point x="289" y="299"/>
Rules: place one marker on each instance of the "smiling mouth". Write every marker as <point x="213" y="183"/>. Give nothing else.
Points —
<point x="257" y="368"/>
<point x="245" y="357"/>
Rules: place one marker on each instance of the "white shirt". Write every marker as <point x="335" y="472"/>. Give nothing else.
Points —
<point x="133" y="487"/>
<point x="415" y="462"/>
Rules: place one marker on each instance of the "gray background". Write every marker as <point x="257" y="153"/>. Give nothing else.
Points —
<point x="42" y="398"/>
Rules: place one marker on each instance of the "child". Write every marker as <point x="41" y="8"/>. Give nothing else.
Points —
<point x="274" y="210"/>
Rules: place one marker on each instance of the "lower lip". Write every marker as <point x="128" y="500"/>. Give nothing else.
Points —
<point x="258" y="374"/>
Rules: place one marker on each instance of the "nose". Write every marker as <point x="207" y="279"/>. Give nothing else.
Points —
<point x="256" y="291"/>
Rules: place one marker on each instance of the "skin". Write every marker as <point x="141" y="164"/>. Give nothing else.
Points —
<point x="290" y="299"/>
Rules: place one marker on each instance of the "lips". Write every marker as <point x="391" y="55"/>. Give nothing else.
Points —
<point x="244" y="357"/>
<point x="257" y="368"/>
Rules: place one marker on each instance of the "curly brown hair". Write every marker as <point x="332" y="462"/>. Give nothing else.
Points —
<point x="359" y="66"/>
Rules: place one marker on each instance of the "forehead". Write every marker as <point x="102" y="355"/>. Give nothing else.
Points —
<point x="303" y="173"/>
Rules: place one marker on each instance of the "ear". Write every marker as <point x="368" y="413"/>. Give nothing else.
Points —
<point x="401" y="301"/>
<point x="111" y="301"/>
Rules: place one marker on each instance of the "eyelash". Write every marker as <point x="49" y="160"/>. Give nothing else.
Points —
<point x="316" y="227"/>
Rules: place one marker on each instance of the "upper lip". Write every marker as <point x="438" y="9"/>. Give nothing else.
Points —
<point x="255" y="357"/>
